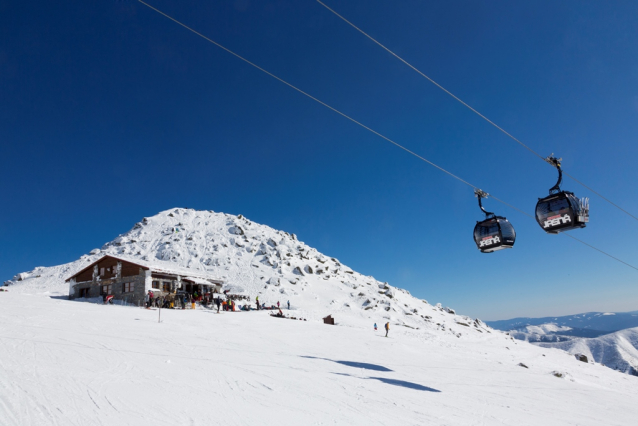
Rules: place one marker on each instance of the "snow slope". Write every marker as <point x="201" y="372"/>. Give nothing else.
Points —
<point x="70" y="363"/>
<point x="256" y="260"/>
<point x="617" y="350"/>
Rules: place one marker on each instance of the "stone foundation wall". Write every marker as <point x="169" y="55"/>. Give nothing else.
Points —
<point x="117" y="286"/>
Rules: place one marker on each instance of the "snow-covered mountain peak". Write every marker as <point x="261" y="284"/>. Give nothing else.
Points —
<point x="257" y="260"/>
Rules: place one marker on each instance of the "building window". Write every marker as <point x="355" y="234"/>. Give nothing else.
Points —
<point x="166" y="287"/>
<point x="127" y="287"/>
<point x="84" y="292"/>
<point x="106" y="289"/>
<point x="156" y="284"/>
<point x="102" y="271"/>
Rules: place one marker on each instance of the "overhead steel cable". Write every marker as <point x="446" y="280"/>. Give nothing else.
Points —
<point x="466" y="105"/>
<point x="309" y="95"/>
<point x="349" y="118"/>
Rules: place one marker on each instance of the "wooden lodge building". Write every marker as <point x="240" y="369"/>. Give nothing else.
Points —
<point x="130" y="280"/>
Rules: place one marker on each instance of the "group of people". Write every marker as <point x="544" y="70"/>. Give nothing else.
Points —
<point x="173" y="301"/>
<point x="170" y="301"/>
<point x="263" y="305"/>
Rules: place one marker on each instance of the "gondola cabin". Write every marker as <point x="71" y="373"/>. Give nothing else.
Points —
<point x="561" y="212"/>
<point x="493" y="234"/>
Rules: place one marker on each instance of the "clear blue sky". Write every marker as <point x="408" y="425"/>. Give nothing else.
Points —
<point x="110" y="112"/>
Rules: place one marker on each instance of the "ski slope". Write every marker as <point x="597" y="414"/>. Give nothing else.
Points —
<point x="72" y="363"/>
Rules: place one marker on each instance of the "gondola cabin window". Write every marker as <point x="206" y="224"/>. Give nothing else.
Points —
<point x="128" y="287"/>
<point x="107" y="289"/>
<point x="560" y="206"/>
<point x="156" y="284"/>
<point x="489" y="229"/>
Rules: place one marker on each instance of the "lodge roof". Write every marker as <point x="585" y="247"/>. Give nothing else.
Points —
<point x="186" y="273"/>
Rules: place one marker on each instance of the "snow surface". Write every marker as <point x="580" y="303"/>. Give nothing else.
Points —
<point x="617" y="350"/>
<point x="546" y="328"/>
<point x="549" y="332"/>
<point x="71" y="363"/>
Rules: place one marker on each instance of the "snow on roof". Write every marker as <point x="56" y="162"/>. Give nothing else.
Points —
<point x="159" y="266"/>
<point x="197" y="280"/>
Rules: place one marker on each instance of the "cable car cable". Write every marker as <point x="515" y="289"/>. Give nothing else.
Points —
<point x="352" y="119"/>
<point x="466" y="105"/>
<point x="600" y="195"/>
<point x="310" y="96"/>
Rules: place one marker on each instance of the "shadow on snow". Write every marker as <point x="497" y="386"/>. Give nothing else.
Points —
<point x="354" y="364"/>
<point x="402" y="383"/>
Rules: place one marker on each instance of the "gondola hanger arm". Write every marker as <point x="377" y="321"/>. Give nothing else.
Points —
<point x="556" y="163"/>
<point x="479" y="193"/>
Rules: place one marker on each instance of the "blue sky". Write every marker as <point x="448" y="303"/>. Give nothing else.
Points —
<point x="111" y="112"/>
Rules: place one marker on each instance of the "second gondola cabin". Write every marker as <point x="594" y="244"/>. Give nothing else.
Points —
<point x="495" y="232"/>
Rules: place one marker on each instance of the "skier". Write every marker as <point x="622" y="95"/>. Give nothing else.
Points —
<point x="387" y="328"/>
<point x="218" y="302"/>
<point x="257" y="301"/>
<point x="277" y="304"/>
<point x="375" y="326"/>
<point x="289" y="305"/>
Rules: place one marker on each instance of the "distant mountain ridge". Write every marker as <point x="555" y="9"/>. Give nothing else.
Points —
<point x="609" y="338"/>
<point x="552" y="333"/>
<point x="599" y="321"/>
<point x="617" y="350"/>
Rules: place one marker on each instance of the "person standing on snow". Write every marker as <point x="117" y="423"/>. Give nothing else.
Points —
<point x="289" y="305"/>
<point x="257" y="301"/>
<point x="218" y="302"/>
<point x="277" y="304"/>
<point x="375" y="326"/>
<point x="387" y="328"/>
